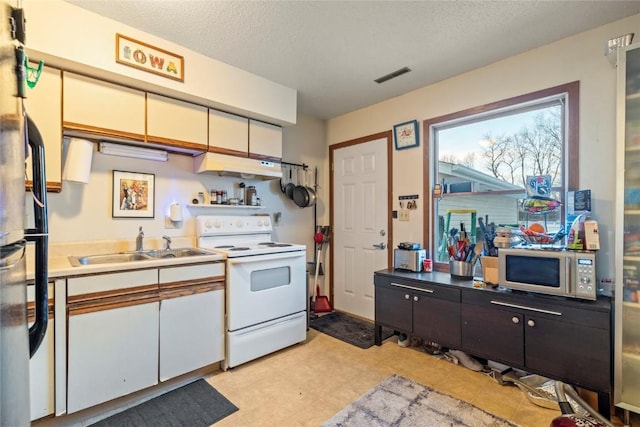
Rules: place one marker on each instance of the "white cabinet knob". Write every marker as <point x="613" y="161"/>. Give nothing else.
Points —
<point x="531" y="322"/>
<point x="415" y="298"/>
<point x="515" y="319"/>
<point x="406" y="296"/>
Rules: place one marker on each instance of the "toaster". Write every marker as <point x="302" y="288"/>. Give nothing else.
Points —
<point x="411" y="260"/>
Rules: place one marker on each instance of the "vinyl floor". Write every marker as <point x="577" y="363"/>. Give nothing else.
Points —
<point x="306" y="384"/>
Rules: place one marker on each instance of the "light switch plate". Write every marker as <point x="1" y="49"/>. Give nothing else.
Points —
<point x="404" y="215"/>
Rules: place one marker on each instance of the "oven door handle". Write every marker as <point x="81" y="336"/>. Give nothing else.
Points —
<point x="258" y="258"/>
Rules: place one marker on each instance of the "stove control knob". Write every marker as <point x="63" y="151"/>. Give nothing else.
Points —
<point x="266" y="222"/>
<point x="217" y="223"/>
<point x="239" y="223"/>
<point x="259" y="223"/>
<point x="207" y="224"/>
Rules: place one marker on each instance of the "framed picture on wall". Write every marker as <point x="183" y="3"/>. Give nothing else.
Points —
<point x="406" y="135"/>
<point x="133" y="195"/>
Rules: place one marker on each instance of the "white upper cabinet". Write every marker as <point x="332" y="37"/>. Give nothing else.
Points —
<point x="228" y="133"/>
<point x="98" y="107"/>
<point x="265" y="141"/>
<point x="176" y="123"/>
<point x="44" y="106"/>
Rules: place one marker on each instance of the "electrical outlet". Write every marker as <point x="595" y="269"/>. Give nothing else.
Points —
<point x="404" y="215"/>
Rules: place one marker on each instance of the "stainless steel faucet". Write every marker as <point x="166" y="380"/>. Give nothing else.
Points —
<point x="139" y="239"/>
<point x="167" y="242"/>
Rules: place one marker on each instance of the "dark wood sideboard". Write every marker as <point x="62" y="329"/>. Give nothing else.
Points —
<point x="559" y="338"/>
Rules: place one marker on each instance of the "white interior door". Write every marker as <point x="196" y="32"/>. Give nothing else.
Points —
<point x="360" y="224"/>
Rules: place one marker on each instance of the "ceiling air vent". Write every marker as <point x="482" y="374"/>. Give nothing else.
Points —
<point x="393" y="75"/>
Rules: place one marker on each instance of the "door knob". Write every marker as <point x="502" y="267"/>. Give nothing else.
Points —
<point x="380" y="246"/>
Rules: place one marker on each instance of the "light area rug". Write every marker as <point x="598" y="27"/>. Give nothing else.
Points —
<point x="398" y="401"/>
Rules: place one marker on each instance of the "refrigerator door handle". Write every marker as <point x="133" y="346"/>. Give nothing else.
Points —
<point x="39" y="235"/>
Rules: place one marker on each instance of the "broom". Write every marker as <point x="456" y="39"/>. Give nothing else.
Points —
<point x="322" y="304"/>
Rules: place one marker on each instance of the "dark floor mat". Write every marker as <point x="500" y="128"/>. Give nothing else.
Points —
<point x="348" y="329"/>
<point x="194" y="405"/>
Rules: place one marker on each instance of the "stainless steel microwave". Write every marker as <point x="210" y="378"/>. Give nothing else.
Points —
<point x="554" y="272"/>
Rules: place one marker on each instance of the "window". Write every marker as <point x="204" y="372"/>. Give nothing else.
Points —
<point x="481" y="159"/>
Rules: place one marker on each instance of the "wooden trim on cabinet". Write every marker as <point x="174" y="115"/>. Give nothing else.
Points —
<point x="112" y="302"/>
<point x="114" y="293"/>
<point x="101" y="132"/>
<point x="176" y="143"/>
<point x="31" y="310"/>
<point x="192" y="287"/>
<point x="52" y="187"/>
<point x="264" y="157"/>
<point x="227" y="151"/>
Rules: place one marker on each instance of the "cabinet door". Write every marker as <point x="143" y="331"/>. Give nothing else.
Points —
<point x="176" y="123"/>
<point x="44" y="106"/>
<point x="101" y="108"/>
<point x="568" y="351"/>
<point x="436" y="320"/>
<point x="228" y="133"/>
<point x="41" y="365"/>
<point x="111" y="353"/>
<point x="191" y="318"/>
<point x="495" y="334"/>
<point x="265" y="141"/>
<point x="191" y="332"/>
<point x="394" y="308"/>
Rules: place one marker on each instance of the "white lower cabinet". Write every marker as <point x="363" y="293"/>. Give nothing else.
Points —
<point x="191" y="318"/>
<point x="127" y="331"/>
<point x="41" y="365"/>
<point x="112" y="353"/>
<point x="112" y="336"/>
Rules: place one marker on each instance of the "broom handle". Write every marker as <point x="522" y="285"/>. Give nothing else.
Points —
<point x="315" y="283"/>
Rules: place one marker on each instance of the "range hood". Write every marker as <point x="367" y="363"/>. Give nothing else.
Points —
<point x="244" y="167"/>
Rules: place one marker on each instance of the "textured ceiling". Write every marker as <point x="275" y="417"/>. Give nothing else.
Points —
<point x="331" y="51"/>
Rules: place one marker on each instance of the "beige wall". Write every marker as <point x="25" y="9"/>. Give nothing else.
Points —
<point x="73" y="38"/>
<point x="580" y="57"/>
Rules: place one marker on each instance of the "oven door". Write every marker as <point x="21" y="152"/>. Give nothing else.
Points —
<point x="264" y="287"/>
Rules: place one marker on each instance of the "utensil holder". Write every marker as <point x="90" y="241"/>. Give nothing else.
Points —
<point x="461" y="270"/>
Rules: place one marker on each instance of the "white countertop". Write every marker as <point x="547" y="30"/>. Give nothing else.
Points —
<point x="60" y="266"/>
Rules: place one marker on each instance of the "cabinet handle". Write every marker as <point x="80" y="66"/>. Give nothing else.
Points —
<point x="515" y="319"/>
<point x="406" y="296"/>
<point x="429" y="291"/>
<point x="531" y="322"/>
<point x="524" y="307"/>
<point x="415" y="298"/>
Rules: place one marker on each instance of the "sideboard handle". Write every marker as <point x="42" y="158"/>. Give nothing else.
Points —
<point x="429" y="291"/>
<point x="524" y="307"/>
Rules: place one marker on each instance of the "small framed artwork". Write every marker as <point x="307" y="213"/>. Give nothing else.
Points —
<point x="406" y="135"/>
<point x="133" y="194"/>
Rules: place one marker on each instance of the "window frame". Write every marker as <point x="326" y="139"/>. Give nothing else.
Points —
<point x="571" y="92"/>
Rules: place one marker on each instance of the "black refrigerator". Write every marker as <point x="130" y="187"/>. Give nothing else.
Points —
<point x="19" y="138"/>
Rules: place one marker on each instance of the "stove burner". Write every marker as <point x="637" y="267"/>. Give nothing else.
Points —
<point x="223" y="247"/>
<point x="280" y="245"/>
<point x="266" y="244"/>
<point x="239" y="249"/>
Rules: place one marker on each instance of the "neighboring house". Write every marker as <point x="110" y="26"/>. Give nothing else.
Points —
<point x="501" y="209"/>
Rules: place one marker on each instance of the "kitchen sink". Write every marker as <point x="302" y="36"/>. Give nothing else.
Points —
<point x="121" y="257"/>
<point x="108" y="259"/>
<point x="175" y="253"/>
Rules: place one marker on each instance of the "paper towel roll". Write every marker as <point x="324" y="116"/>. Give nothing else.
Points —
<point x="175" y="212"/>
<point x="77" y="165"/>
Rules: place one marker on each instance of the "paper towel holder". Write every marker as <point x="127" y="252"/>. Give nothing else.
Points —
<point x="174" y="219"/>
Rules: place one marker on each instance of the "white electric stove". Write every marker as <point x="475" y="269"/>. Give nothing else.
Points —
<point x="265" y="285"/>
